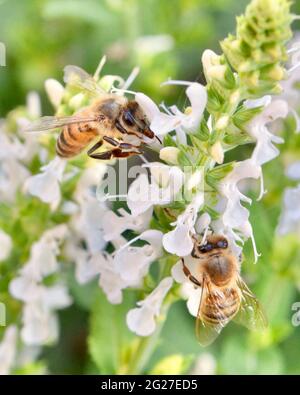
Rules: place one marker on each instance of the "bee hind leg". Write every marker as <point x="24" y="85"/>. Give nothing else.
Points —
<point x="95" y="147"/>
<point x="189" y="275"/>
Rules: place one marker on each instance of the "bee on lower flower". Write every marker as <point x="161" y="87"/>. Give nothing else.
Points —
<point x="224" y="294"/>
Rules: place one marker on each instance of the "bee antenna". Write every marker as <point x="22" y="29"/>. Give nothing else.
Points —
<point x="157" y="138"/>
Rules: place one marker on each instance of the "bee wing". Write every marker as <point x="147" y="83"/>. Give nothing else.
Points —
<point x="206" y="333"/>
<point x="250" y="313"/>
<point x="48" y="123"/>
<point x="76" y="76"/>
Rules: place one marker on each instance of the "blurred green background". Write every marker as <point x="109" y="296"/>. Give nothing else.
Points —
<point x="41" y="37"/>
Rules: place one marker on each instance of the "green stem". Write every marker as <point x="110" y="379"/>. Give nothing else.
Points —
<point x="146" y="347"/>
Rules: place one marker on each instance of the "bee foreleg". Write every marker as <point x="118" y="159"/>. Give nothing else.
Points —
<point x="189" y="275"/>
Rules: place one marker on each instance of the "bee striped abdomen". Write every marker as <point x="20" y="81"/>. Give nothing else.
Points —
<point x="73" y="139"/>
<point x="219" y="309"/>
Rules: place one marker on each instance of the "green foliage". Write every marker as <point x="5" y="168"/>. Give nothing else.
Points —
<point x="109" y="334"/>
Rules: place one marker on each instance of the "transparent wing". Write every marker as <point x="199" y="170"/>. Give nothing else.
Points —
<point x="76" y="76"/>
<point x="48" y="123"/>
<point x="250" y="313"/>
<point x="207" y="332"/>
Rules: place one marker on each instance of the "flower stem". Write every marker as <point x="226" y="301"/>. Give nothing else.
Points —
<point x="145" y="348"/>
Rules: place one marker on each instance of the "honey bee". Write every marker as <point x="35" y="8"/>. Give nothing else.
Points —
<point x="224" y="294"/>
<point x="115" y="120"/>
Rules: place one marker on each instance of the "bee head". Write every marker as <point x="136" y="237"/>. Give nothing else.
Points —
<point x="213" y="245"/>
<point x="134" y="121"/>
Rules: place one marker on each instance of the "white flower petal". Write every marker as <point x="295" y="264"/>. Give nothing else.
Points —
<point x="177" y="273"/>
<point x="138" y="199"/>
<point x="46" y="184"/>
<point x="55" y="91"/>
<point x="293" y="171"/>
<point x="179" y="241"/>
<point x="8" y="349"/>
<point x="110" y="280"/>
<point x="141" y="320"/>
<point x="148" y="106"/>
<point x="40" y="326"/>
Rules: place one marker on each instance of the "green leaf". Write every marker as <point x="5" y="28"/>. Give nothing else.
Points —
<point x="168" y="141"/>
<point x="243" y="115"/>
<point x="203" y="132"/>
<point x="238" y="358"/>
<point x="221" y="171"/>
<point x="109" y="335"/>
<point x="214" y="176"/>
<point x="183" y="159"/>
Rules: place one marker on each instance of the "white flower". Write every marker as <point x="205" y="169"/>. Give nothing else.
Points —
<point x="189" y="121"/>
<point x="110" y="279"/>
<point x="290" y="216"/>
<point x="179" y="241"/>
<point x="142" y="320"/>
<point x="8" y="347"/>
<point x="46" y="185"/>
<point x="40" y="324"/>
<point x="188" y="290"/>
<point x="55" y="91"/>
<point x="11" y="147"/>
<point x="12" y="176"/>
<point x="30" y="146"/>
<point x="132" y="263"/>
<point x="212" y="65"/>
<point x="89" y="224"/>
<point x="114" y="225"/>
<point x="42" y="262"/>
<point x="166" y="182"/>
<point x="265" y="150"/>
<point x="5" y="245"/>
<point x="235" y="216"/>
<point x="89" y="180"/>
<point x="293" y="170"/>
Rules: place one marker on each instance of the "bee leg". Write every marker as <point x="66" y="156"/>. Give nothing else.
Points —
<point x="111" y="141"/>
<point x="189" y="275"/>
<point x="118" y="153"/>
<point x="114" y="153"/>
<point x="116" y="143"/>
<point x="94" y="147"/>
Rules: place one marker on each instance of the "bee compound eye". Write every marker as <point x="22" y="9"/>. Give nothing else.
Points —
<point x="206" y="248"/>
<point x="222" y="244"/>
<point x="128" y="118"/>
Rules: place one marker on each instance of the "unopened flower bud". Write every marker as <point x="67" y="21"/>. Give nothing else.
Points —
<point x="169" y="155"/>
<point x="217" y="152"/>
<point x="55" y="91"/>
